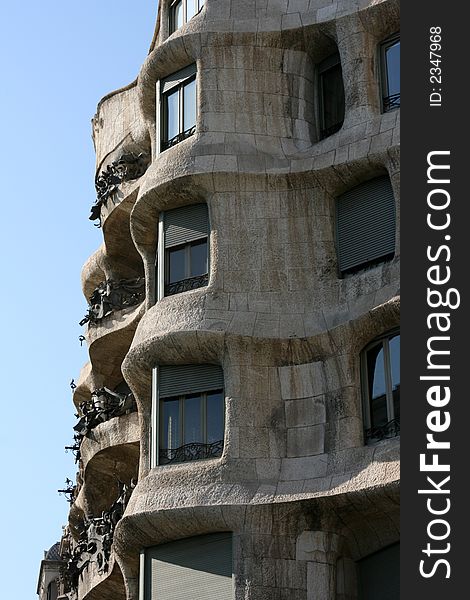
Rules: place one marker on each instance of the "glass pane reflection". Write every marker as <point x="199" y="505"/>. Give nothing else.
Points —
<point x="189" y="103"/>
<point x="177" y="264"/>
<point x="377" y="387"/>
<point x="215" y="417"/>
<point x="392" y="59"/>
<point x="190" y="9"/>
<point x="172" y="101"/>
<point x="198" y="258"/>
<point x="170" y="424"/>
<point x="192" y="419"/>
<point x="178" y="15"/>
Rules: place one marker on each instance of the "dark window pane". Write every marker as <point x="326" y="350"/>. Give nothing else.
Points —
<point x="394" y="345"/>
<point x="198" y="258"/>
<point x="377" y="389"/>
<point x="177" y="265"/>
<point x="190" y="9"/>
<point x="215" y="417"/>
<point x="172" y="119"/>
<point x="189" y="100"/>
<point x="192" y="419"/>
<point x="392" y="60"/>
<point x="332" y="100"/>
<point x="170" y="424"/>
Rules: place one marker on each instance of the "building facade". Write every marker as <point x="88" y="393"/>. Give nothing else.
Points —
<point x="239" y="423"/>
<point x="49" y="573"/>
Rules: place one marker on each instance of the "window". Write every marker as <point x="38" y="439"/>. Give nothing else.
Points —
<point x="365" y="225"/>
<point x="52" y="591"/>
<point x="390" y="73"/>
<point x="331" y="96"/>
<point x="182" y="11"/>
<point x="178" y="107"/>
<point x="190" y="408"/>
<point x="381" y="388"/>
<point x="184" y="244"/>
<point x="379" y="575"/>
<point x="198" y="567"/>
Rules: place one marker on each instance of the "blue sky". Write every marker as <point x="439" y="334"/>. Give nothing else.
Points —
<point x="57" y="59"/>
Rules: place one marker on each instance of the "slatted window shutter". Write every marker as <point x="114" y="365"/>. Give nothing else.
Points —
<point x="365" y="224"/>
<point x="185" y="224"/>
<point x="177" y="380"/>
<point x="177" y="78"/>
<point x="199" y="567"/>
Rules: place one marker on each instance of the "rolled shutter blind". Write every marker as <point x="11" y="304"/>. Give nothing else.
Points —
<point x="196" y="568"/>
<point x="177" y="78"/>
<point x="365" y="222"/>
<point x="175" y="380"/>
<point x="185" y="224"/>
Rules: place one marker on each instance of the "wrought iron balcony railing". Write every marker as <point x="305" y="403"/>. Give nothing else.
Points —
<point x="103" y="405"/>
<point x="128" y="167"/>
<point x="191" y="283"/>
<point x="165" y="144"/>
<point x="111" y="296"/>
<point x="391" y="102"/>
<point x="192" y="451"/>
<point x="94" y="543"/>
<point x="389" y="430"/>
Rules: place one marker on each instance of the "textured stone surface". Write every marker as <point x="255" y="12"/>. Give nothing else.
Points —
<point x="301" y="493"/>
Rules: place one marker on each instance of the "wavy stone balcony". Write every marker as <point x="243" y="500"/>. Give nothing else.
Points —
<point x="109" y="457"/>
<point x="107" y="454"/>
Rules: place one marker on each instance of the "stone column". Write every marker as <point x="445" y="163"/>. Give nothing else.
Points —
<point x="320" y="549"/>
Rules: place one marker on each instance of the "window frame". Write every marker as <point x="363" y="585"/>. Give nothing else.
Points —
<point x="384" y="85"/>
<point x="155" y="429"/>
<point x="384" y="341"/>
<point x="181" y="418"/>
<point x="198" y="6"/>
<point x="162" y="265"/>
<point x="329" y="63"/>
<point x="187" y="262"/>
<point x="163" y="143"/>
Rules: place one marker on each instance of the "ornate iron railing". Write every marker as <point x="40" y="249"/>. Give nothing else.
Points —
<point x="94" y="543"/>
<point x="111" y="296"/>
<point x="389" y="430"/>
<point x="103" y="405"/>
<point x="69" y="491"/>
<point x="126" y="168"/>
<point x="324" y="133"/>
<point x="391" y="102"/>
<point x="191" y="283"/>
<point x="192" y="451"/>
<point x="165" y="144"/>
<point x="75" y="448"/>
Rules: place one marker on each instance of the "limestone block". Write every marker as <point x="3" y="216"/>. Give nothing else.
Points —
<point x="302" y="381"/>
<point x="318" y="546"/>
<point x="305" y="411"/>
<point x="309" y="467"/>
<point x="306" y="441"/>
